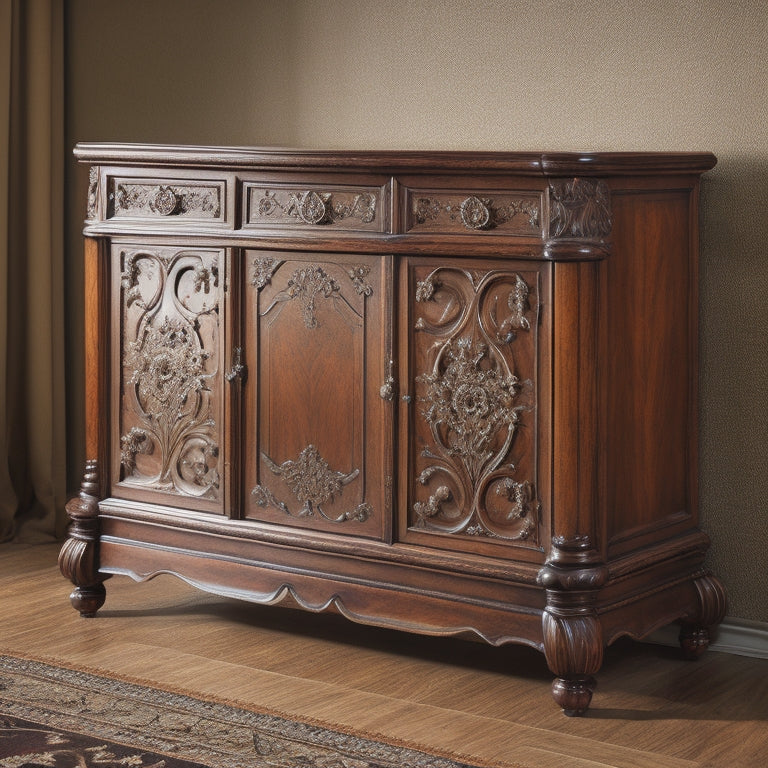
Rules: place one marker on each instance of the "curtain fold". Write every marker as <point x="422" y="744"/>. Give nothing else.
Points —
<point x="32" y="355"/>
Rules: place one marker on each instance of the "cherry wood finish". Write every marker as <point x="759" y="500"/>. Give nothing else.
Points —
<point x="449" y="393"/>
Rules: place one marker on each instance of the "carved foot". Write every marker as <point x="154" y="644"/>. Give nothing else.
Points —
<point x="78" y="559"/>
<point x="709" y="611"/>
<point x="574" y="694"/>
<point x="571" y="630"/>
<point x="88" y="600"/>
<point x="693" y="641"/>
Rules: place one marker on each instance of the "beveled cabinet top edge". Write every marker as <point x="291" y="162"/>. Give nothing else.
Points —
<point x="525" y="163"/>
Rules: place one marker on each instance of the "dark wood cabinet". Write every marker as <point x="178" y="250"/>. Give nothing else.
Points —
<point x="449" y="393"/>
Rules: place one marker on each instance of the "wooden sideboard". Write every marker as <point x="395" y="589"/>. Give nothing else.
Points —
<point x="452" y="393"/>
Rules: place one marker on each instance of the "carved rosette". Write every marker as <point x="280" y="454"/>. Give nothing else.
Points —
<point x="170" y="357"/>
<point x="313" y="483"/>
<point x="471" y="400"/>
<point x="579" y="208"/>
<point x="467" y="403"/>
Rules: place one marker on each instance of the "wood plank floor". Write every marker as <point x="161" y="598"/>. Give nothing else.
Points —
<point x="493" y="706"/>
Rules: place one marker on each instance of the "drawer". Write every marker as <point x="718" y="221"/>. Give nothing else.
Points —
<point x="345" y="208"/>
<point x="166" y="200"/>
<point x="473" y="211"/>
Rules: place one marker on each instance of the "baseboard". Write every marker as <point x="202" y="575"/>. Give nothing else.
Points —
<point x="738" y="636"/>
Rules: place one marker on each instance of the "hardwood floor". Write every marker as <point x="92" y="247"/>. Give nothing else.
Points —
<point x="493" y="706"/>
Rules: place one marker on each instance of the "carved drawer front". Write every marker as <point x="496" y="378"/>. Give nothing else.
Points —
<point x="167" y="200"/>
<point x="169" y="405"/>
<point x="473" y="212"/>
<point x="355" y="209"/>
<point x="318" y="431"/>
<point x="471" y="415"/>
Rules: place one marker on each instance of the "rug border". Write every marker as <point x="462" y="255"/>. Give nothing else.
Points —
<point x="471" y="760"/>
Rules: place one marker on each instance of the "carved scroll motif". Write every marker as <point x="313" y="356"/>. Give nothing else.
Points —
<point x="475" y="212"/>
<point x="313" y="483"/>
<point x="579" y="208"/>
<point x="358" y="276"/>
<point x="263" y="267"/>
<point x="308" y="285"/>
<point x="93" y="193"/>
<point x="471" y="400"/>
<point x="142" y="199"/>
<point x="170" y="311"/>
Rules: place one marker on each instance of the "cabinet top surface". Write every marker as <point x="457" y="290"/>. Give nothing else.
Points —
<point x="527" y="163"/>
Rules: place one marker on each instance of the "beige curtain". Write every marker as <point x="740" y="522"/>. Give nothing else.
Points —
<point x="32" y="397"/>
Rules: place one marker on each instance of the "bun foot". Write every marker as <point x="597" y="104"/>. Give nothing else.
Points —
<point x="708" y="611"/>
<point x="573" y="695"/>
<point x="693" y="641"/>
<point x="88" y="600"/>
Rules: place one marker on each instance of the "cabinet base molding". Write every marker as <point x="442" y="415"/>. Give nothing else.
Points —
<point x="452" y="393"/>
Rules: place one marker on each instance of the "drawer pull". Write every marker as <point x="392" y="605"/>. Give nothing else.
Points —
<point x="312" y="208"/>
<point x="165" y="201"/>
<point x="475" y="213"/>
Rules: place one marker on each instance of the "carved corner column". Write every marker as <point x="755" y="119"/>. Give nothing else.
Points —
<point x="78" y="559"/>
<point x="573" y="638"/>
<point x="710" y="611"/>
<point x="575" y="570"/>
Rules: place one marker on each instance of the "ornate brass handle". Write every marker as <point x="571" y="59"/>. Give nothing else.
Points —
<point x="238" y="370"/>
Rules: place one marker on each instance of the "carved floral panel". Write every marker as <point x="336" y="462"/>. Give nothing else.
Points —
<point x="334" y="208"/>
<point x="166" y="199"/>
<point x="473" y="469"/>
<point x="169" y="302"/>
<point x="501" y="213"/>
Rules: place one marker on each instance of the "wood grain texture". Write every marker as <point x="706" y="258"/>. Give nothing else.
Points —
<point x="653" y="711"/>
<point x="450" y="393"/>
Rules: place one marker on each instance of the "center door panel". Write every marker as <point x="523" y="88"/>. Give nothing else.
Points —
<point x="318" y="433"/>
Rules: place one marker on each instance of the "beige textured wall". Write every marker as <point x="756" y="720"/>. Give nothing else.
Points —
<point x="578" y="74"/>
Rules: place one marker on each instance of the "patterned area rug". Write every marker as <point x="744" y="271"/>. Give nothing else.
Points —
<point x="51" y="716"/>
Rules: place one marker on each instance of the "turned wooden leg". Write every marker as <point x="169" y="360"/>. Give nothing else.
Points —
<point x="78" y="559"/>
<point x="709" y="611"/>
<point x="573" y="646"/>
<point x="572" y="634"/>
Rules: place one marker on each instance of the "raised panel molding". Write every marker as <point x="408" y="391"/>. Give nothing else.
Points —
<point x="170" y="304"/>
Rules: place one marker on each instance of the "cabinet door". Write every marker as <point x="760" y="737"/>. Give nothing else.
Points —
<point x="475" y="473"/>
<point x="168" y="305"/>
<point x="318" y="428"/>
